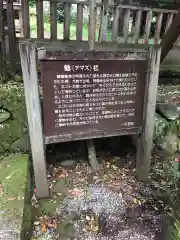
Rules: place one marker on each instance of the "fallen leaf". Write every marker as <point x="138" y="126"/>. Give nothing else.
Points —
<point x="114" y="167"/>
<point x="8" y="177"/>
<point x="43" y="228"/>
<point x="76" y="192"/>
<point x="11" y="198"/>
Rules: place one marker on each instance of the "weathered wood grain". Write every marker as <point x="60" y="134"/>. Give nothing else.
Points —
<point x="30" y="78"/>
<point x="11" y="35"/>
<point x="40" y="20"/>
<point x="144" y="147"/>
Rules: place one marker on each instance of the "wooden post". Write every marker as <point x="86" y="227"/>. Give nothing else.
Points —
<point x="92" y="28"/>
<point x="30" y="78"/>
<point x="2" y="46"/>
<point x="21" y="23"/>
<point x="171" y="36"/>
<point x="40" y="19"/>
<point x="25" y="18"/>
<point x="92" y="24"/>
<point x="11" y="35"/>
<point x="79" y="24"/>
<point x="145" y="139"/>
<point x="104" y="21"/>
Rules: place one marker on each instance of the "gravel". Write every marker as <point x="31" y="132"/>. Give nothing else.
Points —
<point x="110" y="207"/>
<point x="97" y="198"/>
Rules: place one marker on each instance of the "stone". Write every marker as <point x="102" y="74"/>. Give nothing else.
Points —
<point x="160" y="125"/>
<point x="68" y="163"/>
<point x="167" y="140"/>
<point x="168" y="111"/>
<point x="18" y="78"/>
<point x="4" y="115"/>
<point x="22" y="144"/>
<point x="170" y="143"/>
<point x="162" y="98"/>
<point x="13" y="198"/>
<point x="12" y="99"/>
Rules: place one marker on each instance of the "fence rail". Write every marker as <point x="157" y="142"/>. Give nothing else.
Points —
<point x="112" y="23"/>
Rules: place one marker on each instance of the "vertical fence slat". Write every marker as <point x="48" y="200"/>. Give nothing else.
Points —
<point x="104" y="22"/>
<point x="169" y="21"/>
<point x="79" y="23"/>
<point x="2" y="45"/>
<point x="148" y="25"/>
<point x="25" y="14"/>
<point x="67" y="20"/>
<point x="115" y="27"/>
<point x="40" y="21"/>
<point x="137" y="25"/>
<point x="158" y="27"/>
<point x="92" y="25"/>
<point x="53" y="13"/>
<point x="126" y="25"/>
<point x="11" y="35"/>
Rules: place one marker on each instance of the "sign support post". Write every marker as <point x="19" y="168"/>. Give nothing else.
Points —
<point x="30" y="78"/>
<point x="145" y="140"/>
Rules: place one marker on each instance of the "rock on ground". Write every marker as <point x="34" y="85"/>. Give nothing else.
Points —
<point x="13" y="186"/>
<point x="168" y="111"/>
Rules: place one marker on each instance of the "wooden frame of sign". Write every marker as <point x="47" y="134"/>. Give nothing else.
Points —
<point x="38" y="138"/>
<point x="98" y="56"/>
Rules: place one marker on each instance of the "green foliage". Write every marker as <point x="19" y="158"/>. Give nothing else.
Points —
<point x="177" y="226"/>
<point x="32" y="3"/>
<point x="173" y="127"/>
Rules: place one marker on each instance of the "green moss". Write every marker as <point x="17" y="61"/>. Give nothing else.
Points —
<point x="12" y="98"/>
<point x="13" y="180"/>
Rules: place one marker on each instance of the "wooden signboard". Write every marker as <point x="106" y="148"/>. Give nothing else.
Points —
<point x="84" y="99"/>
<point x="89" y="95"/>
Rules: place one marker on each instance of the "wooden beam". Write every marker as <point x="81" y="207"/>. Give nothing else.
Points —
<point x="30" y="78"/>
<point x="145" y="140"/>
<point x="171" y="36"/>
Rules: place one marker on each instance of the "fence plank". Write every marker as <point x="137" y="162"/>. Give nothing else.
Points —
<point x="11" y="35"/>
<point x="25" y="14"/>
<point x="92" y="24"/>
<point x="53" y="13"/>
<point x="145" y="141"/>
<point x="30" y="78"/>
<point x="79" y="23"/>
<point x="115" y="27"/>
<point x="137" y="25"/>
<point x="2" y="46"/>
<point x="126" y="25"/>
<point x="104" y="21"/>
<point x="40" y="20"/>
<point x="148" y="26"/>
<point x="169" y="21"/>
<point x="158" y="27"/>
<point x="67" y="20"/>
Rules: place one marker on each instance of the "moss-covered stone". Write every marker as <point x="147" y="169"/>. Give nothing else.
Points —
<point x="13" y="187"/>
<point x="12" y="99"/>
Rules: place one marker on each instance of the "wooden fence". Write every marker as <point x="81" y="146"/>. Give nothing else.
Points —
<point x="128" y="24"/>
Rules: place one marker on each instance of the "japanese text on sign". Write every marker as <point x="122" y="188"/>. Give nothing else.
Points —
<point x="82" y="94"/>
